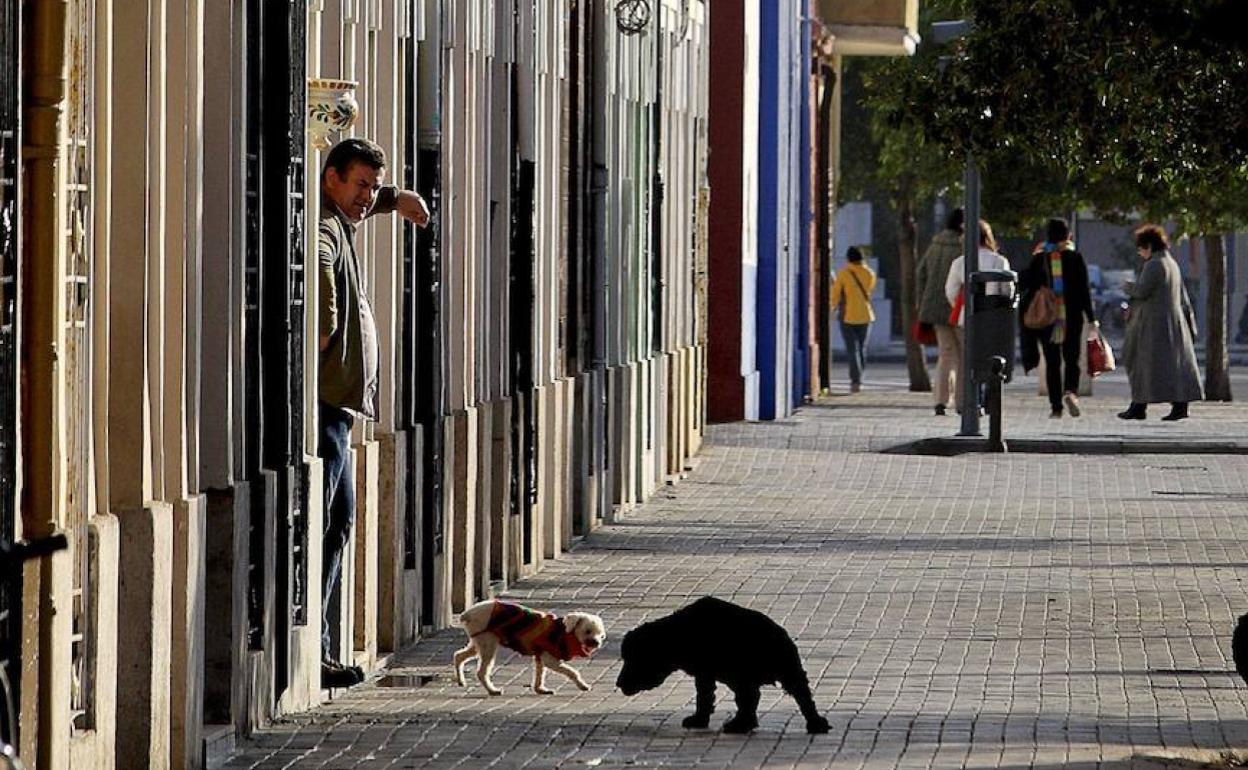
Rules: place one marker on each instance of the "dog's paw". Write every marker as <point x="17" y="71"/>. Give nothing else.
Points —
<point x="495" y="691"/>
<point x="740" y="724"/>
<point x="543" y="691"/>
<point x="583" y="686"/>
<point x="817" y="726"/>
<point x="696" y="722"/>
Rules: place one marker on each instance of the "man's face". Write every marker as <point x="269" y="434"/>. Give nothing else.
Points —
<point x="354" y="193"/>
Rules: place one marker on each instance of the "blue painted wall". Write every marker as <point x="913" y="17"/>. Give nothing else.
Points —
<point x="768" y="202"/>
<point x="783" y="177"/>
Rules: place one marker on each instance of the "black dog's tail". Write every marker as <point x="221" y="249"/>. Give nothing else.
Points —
<point x="797" y="685"/>
<point x="1239" y="647"/>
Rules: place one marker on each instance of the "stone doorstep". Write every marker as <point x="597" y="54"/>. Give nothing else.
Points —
<point x="954" y="446"/>
<point x="219" y="745"/>
<point x="379" y="662"/>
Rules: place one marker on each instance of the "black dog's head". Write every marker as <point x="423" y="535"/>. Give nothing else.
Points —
<point x="648" y="659"/>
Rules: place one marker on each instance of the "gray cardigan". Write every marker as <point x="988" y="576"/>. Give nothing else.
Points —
<point x="349" y="365"/>
<point x="929" y="278"/>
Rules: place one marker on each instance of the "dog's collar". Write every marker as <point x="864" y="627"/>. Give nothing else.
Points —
<point x="573" y="646"/>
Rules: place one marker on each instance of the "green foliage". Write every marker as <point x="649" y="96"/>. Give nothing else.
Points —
<point x="1138" y="103"/>
<point x="888" y="146"/>
<point x="894" y="147"/>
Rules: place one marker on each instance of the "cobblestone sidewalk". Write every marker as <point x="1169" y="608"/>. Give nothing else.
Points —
<point x="978" y="611"/>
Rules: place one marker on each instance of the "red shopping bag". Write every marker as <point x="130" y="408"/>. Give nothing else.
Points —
<point x="924" y="334"/>
<point x="957" y="309"/>
<point x="1100" y="354"/>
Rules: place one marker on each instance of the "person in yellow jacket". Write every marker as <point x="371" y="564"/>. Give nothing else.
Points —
<point x="851" y="302"/>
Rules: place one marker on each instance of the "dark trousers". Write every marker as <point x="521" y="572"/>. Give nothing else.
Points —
<point x="1058" y="378"/>
<point x="335" y="452"/>
<point x="856" y="348"/>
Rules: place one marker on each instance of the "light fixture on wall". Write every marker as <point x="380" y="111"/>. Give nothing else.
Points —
<point x="331" y="107"/>
<point x="632" y="16"/>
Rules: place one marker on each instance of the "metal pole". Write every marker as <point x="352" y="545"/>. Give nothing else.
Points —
<point x="970" y="265"/>
<point x="997" y="381"/>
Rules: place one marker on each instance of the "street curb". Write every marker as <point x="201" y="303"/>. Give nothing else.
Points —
<point x="956" y="445"/>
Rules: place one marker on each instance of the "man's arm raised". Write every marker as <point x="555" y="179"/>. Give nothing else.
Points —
<point x="405" y="203"/>
<point x="412" y="207"/>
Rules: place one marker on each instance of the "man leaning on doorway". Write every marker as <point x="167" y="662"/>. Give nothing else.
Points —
<point x="351" y="191"/>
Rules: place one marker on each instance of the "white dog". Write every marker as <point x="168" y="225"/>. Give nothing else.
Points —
<point x="550" y="640"/>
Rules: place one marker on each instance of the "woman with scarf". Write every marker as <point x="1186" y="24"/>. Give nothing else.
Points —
<point x="1159" y="352"/>
<point x="1057" y="265"/>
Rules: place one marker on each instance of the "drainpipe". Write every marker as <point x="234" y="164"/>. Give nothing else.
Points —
<point x="43" y="296"/>
<point x="657" y="312"/>
<point x="429" y="89"/>
<point x="43" y="312"/>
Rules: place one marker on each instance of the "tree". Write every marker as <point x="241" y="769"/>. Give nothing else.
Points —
<point x="1137" y="101"/>
<point x="892" y="153"/>
<point x="889" y="109"/>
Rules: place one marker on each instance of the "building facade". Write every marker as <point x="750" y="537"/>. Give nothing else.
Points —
<point x="542" y="345"/>
<point x="775" y="117"/>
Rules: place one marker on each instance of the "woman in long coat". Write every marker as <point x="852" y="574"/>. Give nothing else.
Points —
<point x="1159" y="354"/>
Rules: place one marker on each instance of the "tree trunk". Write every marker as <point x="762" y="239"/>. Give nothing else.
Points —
<point x="1217" y="363"/>
<point x="916" y="363"/>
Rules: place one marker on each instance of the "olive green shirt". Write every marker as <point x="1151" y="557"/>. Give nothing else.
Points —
<point x="349" y="367"/>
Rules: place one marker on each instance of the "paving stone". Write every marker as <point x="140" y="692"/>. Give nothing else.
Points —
<point x="982" y="611"/>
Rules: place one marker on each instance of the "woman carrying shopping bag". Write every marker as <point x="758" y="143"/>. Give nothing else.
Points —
<point x="933" y="308"/>
<point x="1057" y="299"/>
<point x="851" y="302"/>
<point x="989" y="259"/>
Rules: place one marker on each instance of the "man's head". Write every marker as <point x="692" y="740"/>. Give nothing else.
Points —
<point x="1057" y="231"/>
<point x="853" y="254"/>
<point x="956" y="220"/>
<point x="353" y="174"/>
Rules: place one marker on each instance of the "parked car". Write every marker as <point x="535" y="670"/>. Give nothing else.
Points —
<point x="1109" y="301"/>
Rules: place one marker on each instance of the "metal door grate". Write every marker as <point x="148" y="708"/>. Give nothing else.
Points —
<point x="10" y="585"/>
<point x="428" y="361"/>
<point x="253" y="415"/>
<point x="407" y="347"/>
<point x="296" y="129"/>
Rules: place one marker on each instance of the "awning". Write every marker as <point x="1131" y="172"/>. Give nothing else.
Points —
<point x="872" y="27"/>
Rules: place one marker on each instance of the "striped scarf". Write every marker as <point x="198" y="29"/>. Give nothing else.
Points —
<point x="1054" y="250"/>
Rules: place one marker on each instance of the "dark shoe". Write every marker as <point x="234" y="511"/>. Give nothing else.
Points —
<point x="1055" y="414"/>
<point x="817" y="726"/>
<point x="940" y="410"/>
<point x="1071" y="401"/>
<point x="1177" y="412"/>
<point x="1134" y="412"/>
<point x="335" y="675"/>
<point x="855" y="387"/>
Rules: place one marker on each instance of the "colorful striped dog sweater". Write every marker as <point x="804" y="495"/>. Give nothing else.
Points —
<point x="531" y="632"/>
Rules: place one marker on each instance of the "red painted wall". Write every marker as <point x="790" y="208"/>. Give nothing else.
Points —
<point x="725" y="386"/>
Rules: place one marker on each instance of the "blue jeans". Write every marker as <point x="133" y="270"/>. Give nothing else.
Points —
<point x="335" y="451"/>
<point x="856" y="348"/>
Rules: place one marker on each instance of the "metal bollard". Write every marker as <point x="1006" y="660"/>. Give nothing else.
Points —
<point x="993" y="397"/>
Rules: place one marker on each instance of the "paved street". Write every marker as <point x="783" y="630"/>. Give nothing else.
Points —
<point x="977" y="611"/>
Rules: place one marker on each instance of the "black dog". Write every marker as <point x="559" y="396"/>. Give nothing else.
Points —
<point x="716" y="641"/>
<point x="1239" y="647"/>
